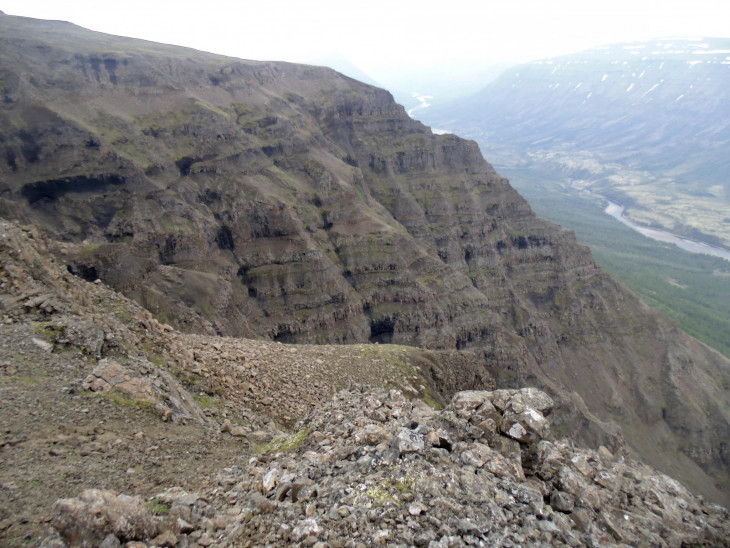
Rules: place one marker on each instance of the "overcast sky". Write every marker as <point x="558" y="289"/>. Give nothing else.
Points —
<point x="382" y="36"/>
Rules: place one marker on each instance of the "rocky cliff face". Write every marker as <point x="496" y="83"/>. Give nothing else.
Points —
<point x="292" y="203"/>
<point x="178" y="445"/>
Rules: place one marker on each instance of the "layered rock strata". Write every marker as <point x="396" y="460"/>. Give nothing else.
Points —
<point x="292" y="203"/>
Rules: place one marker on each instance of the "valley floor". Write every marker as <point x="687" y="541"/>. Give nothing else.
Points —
<point x="692" y="289"/>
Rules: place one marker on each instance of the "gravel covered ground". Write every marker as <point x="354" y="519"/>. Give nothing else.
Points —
<point x="59" y="436"/>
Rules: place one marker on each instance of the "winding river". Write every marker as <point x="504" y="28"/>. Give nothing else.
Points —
<point x="693" y="246"/>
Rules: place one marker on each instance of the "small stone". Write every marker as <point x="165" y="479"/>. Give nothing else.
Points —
<point x="525" y="426"/>
<point x="607" y="523"/>
<point x="270" y="479"/>
<point x="416" y="509"/>
<point x="548" y="526"/>
<point x="581" y="518"/>
<point x="43" y="345"/>
<point x="238" y="431"/>
<point x="499" y="398"/>
<point x="516" y="431"/>
<point x="425" y="538"/>
<point x="308" y="527"/>
<point x="263" y="504"/>
<point x="372" y="434"/>
<point x="535" y="399"/>
<point x="608" y="480"/>
<point x="381" y="537"/>
<point x="409" y="441"/>
<point x="205" y="540"/>
<point x="467" y="527"/>
<point x="282" y="491"/>
<point x="605" y="455"/>
<point x="183" y="526"/>
<point x="110" y="541"/>
<point x="464" y="403"/>
<point x="562" y="502"/>
<point x="580" y="463"/>
<point x="298" y="486"/>
<point x="166" y="539"/>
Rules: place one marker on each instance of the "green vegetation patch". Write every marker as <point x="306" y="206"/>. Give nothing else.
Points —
<point x="158" y="507"/>
<point x="286" y="444"/>
<point x="391" y="490"/>
<point x="125" y="400"/>
<point x="431" y="401"/>
<point x="208" y="402"/>
<point x="50" y="330"/>
<point x="690" y="288"/>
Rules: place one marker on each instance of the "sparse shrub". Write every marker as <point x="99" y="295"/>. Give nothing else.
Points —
<point x="158" y="507"/>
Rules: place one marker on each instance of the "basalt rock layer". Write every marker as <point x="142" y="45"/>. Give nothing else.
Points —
<point x="288" y="202"/>
<point x="100" y="399"/>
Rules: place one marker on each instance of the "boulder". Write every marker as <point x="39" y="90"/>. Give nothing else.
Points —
<point x="147" y="385"/>
<point x="408" y="441"/>
<point x="562" y="502"/>
<point x="466" y="402"/>
<point x="482" y="456"/>
<point x="88" y="519"/>
<point x="308" y="527"/>
<point x="526" y="426"/>
<point x="531" y="398"/>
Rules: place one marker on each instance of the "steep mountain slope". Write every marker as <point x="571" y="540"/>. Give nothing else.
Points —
<point x="290" y="202"/>
<point x="98" y="394"/>
<point x="99" y="399"/>
<point x="647" y="124"/>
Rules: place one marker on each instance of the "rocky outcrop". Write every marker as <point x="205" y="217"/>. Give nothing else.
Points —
<point x="292" y="203"/>
<point x="368" y="466"/>
<point x="372" y="468"/>
<point x="151" y="386"/>
<point x="87" y="374"/>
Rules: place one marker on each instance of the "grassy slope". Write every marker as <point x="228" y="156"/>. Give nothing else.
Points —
<point x="690" y="288"/>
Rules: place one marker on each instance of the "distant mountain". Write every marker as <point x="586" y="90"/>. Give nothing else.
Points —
<point x="344" y="66"/>
<point x="646" y="123"/>
<point x="288" y="202"/>
<point x="438" y="83"/>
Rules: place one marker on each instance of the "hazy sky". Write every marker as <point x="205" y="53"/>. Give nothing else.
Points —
<point x="382" y="36"/>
